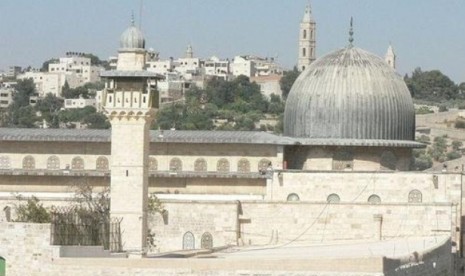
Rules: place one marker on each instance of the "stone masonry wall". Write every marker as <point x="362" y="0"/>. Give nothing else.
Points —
<point x="217" y="218"/>
<point x="25" y="247"/>
<point x="276" y="223"/>
<point x="437" y="261"/>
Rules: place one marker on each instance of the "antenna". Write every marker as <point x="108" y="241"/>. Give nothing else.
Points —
<point x="140" y="13"/>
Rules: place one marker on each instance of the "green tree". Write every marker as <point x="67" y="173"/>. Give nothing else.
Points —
<point x="431" y="86"/>
<point x="423" y="162"/>
<point x="96" y="121"/>
<point x="49" y="108"/>
<point x="45" y="64"/>
<point x="288" y="80"/>
<point x="31" y="211"/>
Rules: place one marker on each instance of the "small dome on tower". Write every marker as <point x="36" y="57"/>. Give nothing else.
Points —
<point x="350" y="94"/>
<point x="132" y="38"/>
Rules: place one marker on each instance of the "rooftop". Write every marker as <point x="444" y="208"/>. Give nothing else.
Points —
<point x="190" y="136"/>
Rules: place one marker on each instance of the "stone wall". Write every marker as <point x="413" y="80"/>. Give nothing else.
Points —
<point x="220" y="219"/>
<point x="25" y="247"/>
<point x="318" y="158"/>
<point x="299" y="223"/>
<point x="437" y="261"/>
<point x="392" y="187"/>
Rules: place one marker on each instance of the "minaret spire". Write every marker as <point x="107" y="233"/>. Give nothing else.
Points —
<point x="351" y="32"/>
<point x="132" y="18"/>
<point x="390" y="57"/>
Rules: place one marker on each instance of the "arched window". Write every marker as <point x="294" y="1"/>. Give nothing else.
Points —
<point x="415" y="196"/>
<point x="77" y="163"/>
<point x="102" y="163"/>
<point x="311" y="52"/>
<point x="311" y="35"/>
<point x="333" y="198"/>
<point x="293" y="197"/>
<point x="188" y="241"/>
<point x="200" y="165"/>
<point x="374" y="199"/>
<point x="176" y="165"/>
<point x="29" y="163"/>
<point x="243" y="166"/>
<point x="388" y="161"/>
<point x="222" y="165"/>
<point x="263" y="165"/>
<point x="207" y="241"/>
<point x="304" y="52"/>
<point x="305" y="34"/>
<point x="53" y="163"/>
<point x="153" y="164"/>
<point x="4" y="162"/>
<point x="343" y="160"/>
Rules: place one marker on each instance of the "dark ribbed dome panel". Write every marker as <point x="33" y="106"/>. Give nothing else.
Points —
<point x="350" y="94"/>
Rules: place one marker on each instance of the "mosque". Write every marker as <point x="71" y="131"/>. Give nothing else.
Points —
<point x="340" y="173"/>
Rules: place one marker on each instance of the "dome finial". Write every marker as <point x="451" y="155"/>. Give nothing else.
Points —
<point x="351" y="32"/>
<point x="132" y="18"/>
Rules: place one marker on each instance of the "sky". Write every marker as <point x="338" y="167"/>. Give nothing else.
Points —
<point x="424" y="33"/>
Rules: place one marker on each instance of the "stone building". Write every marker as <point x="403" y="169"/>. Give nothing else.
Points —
<point x="339" y="176"/>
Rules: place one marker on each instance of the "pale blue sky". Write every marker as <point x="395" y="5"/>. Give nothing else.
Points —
<point x="425" y="33"/>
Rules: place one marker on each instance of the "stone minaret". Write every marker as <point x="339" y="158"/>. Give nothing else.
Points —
<point x="130" y="102"/>
<point x="390" y="57"/>
<point x="189" y="52"/>
<point x="307" y="40"/>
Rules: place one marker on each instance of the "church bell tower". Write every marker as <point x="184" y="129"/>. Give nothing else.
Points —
<point x="307" y="41"/>
<point x="130" y="102"/>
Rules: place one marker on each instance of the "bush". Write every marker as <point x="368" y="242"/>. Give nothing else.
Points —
<point x="423" y="110"/>
<point x="31" y="211"/>
<point x="423" y="162"/>
<point x="456" y="145"/>
<point x="424" y="139"/>
<point x="453" y="155"/>
<point x="459" y="123"/>
<point x="443" y="108"/>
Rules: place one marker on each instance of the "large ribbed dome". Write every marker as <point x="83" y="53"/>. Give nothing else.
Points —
<point x="350" y="94"/>
<point x="132" y="38"/>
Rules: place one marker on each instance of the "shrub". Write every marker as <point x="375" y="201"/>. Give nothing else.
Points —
<point x="459" y="123"/>
<point x="31" y="211"/>
<point x="443" y="108"/>
<point x="423" y="110"/>
<point x="453" y="155"/>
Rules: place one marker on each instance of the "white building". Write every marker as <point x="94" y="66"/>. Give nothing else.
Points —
<point x="243" y="65"/>
<point x="45" y="83"/>
<point x="78" y="69"/>
<point x="74" y="69"/>
<point x="217" y="67"/>
<point x="79" y="103"/>
<point x="6" y="93"/>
